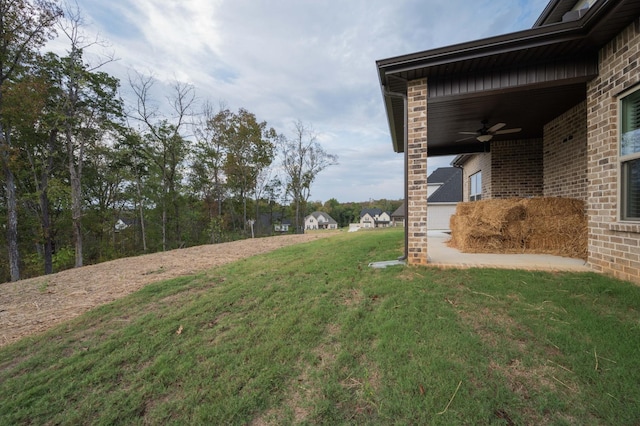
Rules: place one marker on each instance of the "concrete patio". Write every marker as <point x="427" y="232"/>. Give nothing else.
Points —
<point x="440" y="254"/>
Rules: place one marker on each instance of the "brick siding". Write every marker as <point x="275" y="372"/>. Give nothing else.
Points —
<point x="477" y="163"/>
<point x="516" y="168"/>
<point x="614" y="247"/>
<point x="417" y="172"/>
<point x="565" y="154"/>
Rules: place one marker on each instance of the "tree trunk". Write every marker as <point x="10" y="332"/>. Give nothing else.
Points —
<point x="12" y="222"/>
<point x="12" y="207"/>
<point x="164" y="222"/>
<point x="140" y="206"/>
<point x="76" y="200"/>
<point x="76" y="215"/>
<point x="46" y="233"/>
<point x="44" y="205"/>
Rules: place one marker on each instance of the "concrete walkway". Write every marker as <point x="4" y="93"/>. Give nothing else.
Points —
<point x="440" y="254"/>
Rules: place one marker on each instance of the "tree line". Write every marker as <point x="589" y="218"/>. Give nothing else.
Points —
<point x="88" y="177"/>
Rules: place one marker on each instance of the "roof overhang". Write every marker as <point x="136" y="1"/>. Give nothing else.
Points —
<point x="524" y="79"/>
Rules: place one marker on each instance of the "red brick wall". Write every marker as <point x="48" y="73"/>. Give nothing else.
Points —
<point x="516" y="168"/>
<point x="565" y="154"/>
<point x="614" y="246"/>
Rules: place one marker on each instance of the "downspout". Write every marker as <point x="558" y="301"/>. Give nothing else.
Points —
<point x="406" y="169"/>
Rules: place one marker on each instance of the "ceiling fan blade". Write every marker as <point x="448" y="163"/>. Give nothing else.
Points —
<point x="496" y="127"/>
<point x="465" y="139"/>
<point x="468" y="133"/>
<point x="505" y="131"/>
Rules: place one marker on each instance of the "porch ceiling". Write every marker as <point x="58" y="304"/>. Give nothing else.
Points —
<point x="529" y="109"/>
<point x="523" y="79"/>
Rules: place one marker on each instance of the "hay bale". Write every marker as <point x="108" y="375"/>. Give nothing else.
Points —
<point x="549" y="225"/>
<point x="554" y="206"/>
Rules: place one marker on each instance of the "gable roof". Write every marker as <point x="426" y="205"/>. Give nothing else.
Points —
<point x="487" y="79"/>
<point x="451" y="189"/>
<point x="399" y="212"/>
<point x="442" y="174"/>
<point x="373" y="212"/>
<point x="317" y="215"/>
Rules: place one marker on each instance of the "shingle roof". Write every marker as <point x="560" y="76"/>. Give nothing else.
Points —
<point x="451" y="189"/>
<point x="326" y="215"/>
<point x="372" y="212"/>
<point x="399" y="211"/>
<point x="441" y="174"/>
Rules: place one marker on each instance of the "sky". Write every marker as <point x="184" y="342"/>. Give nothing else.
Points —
<point x="312" y="61"/>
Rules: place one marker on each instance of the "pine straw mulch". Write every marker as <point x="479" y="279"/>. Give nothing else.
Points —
<point x="37" y="304"/>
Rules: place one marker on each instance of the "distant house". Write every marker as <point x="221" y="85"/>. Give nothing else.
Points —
<point x="123" y="223"/>
<point x="397" y="217"/>
<point x="320" y="220"/>
<point x="374" y="218"/>
<point x="444" y="189"/>
<point x="444" y="192"/>
<point x="275" y="222"/>
<point x="282" y="226"/>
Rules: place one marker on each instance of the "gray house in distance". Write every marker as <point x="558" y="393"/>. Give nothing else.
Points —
<point x="444" y="192"/>
<point x="549" y="111"/>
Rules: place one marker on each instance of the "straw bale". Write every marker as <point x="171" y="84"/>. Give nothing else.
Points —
<point x="549" y="225"/>
<point x="554" y="206"/>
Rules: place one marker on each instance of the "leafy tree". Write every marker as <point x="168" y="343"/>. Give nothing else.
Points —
<point x="302" y="159"/>
<point x="32" y="103"/>
<point x="25" y="26"/>
<point x="250" y="148"/>
<point x="136" y="170"/>
<point x="209" y="155"/>
<point x="91" y="108"/>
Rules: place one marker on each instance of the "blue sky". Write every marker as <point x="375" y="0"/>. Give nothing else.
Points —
<point x="288" y="60"/>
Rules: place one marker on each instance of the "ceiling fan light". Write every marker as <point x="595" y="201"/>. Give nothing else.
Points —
<point x="485" y="138"/>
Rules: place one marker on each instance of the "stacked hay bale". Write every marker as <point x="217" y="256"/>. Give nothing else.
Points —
<point x="548" y="225"/>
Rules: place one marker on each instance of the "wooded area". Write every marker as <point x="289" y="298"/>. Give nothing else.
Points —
<point x="89" y="177"/>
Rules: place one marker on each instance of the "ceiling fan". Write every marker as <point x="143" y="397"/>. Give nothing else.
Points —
<point x="485" y="134"/>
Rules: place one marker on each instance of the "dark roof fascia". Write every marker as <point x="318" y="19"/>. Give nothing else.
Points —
<point x="547" y="12"/>
<point x="460" y="159"/>
<point x="525" y="39"/>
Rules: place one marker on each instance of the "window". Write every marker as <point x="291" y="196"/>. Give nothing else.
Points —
<point x="630" y="157"/>
<point x="475" y="186"/>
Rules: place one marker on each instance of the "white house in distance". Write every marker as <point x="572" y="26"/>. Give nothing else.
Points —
<point x="374" y="218"/>
<point x="320" y="220"/>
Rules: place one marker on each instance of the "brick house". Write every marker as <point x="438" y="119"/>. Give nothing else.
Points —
<point x="568" y="92"/>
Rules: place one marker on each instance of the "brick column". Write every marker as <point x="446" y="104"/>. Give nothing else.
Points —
<point x="417" y="172"/>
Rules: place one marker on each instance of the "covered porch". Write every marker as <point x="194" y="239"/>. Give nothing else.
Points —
<point x="521" y="101"/>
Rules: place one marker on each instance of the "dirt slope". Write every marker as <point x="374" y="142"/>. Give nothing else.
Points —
<point x="37" y="304"/>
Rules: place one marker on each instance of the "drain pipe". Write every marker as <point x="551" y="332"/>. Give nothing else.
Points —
<point x="406" y="169"/>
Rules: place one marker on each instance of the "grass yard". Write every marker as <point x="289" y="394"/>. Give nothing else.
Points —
<point x="309" y="334"/>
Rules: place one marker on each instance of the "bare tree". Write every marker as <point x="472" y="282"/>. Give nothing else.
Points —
<point x="302" y="159"/>
<point x="165" y="135"/>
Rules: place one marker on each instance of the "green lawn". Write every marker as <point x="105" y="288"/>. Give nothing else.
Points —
<point x="310" y="335"/>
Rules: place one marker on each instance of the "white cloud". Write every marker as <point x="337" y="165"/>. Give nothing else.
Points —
<point x="286" y="60"/>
